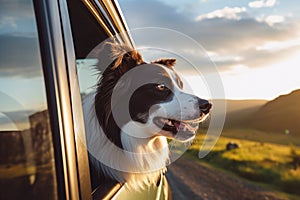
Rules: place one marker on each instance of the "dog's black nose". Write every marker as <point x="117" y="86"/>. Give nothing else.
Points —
<point x="204" y="106"/>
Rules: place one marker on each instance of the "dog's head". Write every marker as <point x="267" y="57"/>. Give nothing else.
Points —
<point x="146" y="99"/>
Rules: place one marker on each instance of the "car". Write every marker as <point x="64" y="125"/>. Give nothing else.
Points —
<point x="43" y="152"/>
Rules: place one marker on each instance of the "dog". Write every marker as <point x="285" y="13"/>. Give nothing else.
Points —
<point x="136" y="108"/>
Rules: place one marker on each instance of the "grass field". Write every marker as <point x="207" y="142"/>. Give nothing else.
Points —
<point x="276" y="165"/>
<point x="262" y="136"/>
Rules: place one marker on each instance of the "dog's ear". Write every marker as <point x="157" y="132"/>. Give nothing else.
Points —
<point x="125" y="57"/>
<point x="128" y="61"/>
<point x="169" y="62"/>
<point x="113" y="56"/>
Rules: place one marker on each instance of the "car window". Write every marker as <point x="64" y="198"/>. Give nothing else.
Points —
<point x="95" y="19"/>
<point x="26" y="150"/>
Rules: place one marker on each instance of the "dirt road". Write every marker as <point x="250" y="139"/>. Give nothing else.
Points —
<point x="190" y="180"/>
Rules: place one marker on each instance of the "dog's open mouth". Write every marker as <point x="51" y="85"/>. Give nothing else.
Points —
<point x="182" y="130"/>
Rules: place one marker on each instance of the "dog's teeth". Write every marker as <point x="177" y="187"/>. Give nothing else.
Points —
<point x="184" y="128"/>
<point x="164" y="121"/>
<point x="167" y="121"/>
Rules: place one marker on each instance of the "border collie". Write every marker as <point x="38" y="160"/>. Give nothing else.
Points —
<point x="136" y="108"/>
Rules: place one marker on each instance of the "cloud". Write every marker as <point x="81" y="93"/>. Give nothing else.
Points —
<point x="274" y="19"/>
<point x="254" y="58"/>
<point x="271" y="20"/>
<point x="227" y="13"/>
<point x="8" y="21"/>
<point x="233" y="42"/>
<point x="262" y="3"/>
<point x="16" y="15"/>
<point x="222" y="35"/>
<point x="19" y="53"/>
<point x="17" y="9"/>
<point x="279" y="46"/>
<point x="152" y="13"/>
<point x="19" y="56"/>
<point x="230" y="36"/>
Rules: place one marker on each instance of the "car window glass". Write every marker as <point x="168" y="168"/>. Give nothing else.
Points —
<point x="26" y="150"/>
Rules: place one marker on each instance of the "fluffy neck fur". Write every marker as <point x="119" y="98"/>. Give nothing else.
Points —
<point x="138" y="163"/>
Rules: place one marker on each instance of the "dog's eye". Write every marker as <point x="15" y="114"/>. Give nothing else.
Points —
<point x="161" y="87"/>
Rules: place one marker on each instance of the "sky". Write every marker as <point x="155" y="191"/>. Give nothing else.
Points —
<point x="22" y="89"/>
<point x="255" y="45"/>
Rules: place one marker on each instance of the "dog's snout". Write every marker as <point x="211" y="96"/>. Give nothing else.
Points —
<point x="204" y="106"/>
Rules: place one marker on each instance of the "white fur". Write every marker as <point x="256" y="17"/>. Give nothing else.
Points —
<point x="183" y="105"/>
<point x="140" y="163"/>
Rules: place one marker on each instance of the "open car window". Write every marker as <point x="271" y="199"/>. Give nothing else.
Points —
<point x="92" y="22"/>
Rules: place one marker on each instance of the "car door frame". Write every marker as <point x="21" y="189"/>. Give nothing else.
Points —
<point x="57" y="53"/>
<point x="63" y="94"/>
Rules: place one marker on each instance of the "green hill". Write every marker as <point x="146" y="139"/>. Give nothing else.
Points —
<point x="279" y="115"/>
<point x="239" y="112"/>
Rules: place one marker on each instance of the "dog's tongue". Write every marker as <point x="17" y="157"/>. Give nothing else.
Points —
<point x="181" y="126"/>
<point x="177" y="126"/>
<point x="184" y="131"/>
